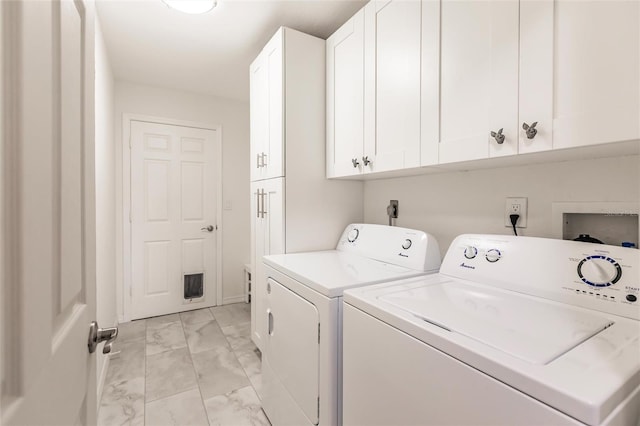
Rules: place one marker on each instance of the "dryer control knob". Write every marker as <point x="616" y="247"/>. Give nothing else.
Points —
<point x="493" y="255"/>
<point x="599" y="271"/>
<point x="353" y="235"/>
<point x="470" y="252"/>
<point x="407" y="243"/>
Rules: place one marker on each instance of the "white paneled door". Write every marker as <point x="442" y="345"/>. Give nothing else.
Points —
<point x="173" y="218"/>
<point x="48" y="209"/>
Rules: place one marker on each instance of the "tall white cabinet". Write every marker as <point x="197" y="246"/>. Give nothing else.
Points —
<point x="294" y="207"/>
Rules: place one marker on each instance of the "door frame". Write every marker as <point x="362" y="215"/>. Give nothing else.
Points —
<point x="126" y="289"/>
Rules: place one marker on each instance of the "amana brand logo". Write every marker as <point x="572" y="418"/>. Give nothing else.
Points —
<point x="462" y="265"/>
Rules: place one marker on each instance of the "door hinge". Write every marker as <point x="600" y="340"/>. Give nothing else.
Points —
<point x="318" y="333"/>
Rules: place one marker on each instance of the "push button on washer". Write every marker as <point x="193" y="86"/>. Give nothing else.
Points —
<point x="631" y="297"/>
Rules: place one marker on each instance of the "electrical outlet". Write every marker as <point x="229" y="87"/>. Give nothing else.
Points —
<point x="516" y="205"/>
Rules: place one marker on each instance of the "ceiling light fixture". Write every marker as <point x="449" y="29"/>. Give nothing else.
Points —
<point x="191" y="6"/>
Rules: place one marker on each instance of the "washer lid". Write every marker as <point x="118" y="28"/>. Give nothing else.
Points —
<point x="532" y="330"/>
<point x="331" y="272"/>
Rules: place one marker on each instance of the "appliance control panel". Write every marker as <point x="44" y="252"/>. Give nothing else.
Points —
<point x="405" y="247"/>
<point x="594" y="276"/>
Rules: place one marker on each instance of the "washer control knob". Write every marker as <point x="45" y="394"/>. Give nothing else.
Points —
<point x="493" y="255"/>
<point x="470" y="252"/>
<point x="599" y="271"/>
<point x="406" y="244"/>
<point x="353" y="235"/>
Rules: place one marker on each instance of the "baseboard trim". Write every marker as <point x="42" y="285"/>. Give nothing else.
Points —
<point x="235" y="299"/>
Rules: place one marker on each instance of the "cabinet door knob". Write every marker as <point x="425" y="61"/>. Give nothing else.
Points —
<point x="355" y="162"/>
<point x="499" y="137"/>
<point x="366" y="160"/>
<point x="531" y="130"/>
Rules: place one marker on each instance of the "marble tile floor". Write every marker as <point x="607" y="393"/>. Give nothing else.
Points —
<point x="194" y="368"/>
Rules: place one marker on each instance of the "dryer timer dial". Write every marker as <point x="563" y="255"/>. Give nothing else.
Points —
<point x="353" y="235"/>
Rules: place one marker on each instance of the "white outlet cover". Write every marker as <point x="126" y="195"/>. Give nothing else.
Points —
<point x="512" y="204"/>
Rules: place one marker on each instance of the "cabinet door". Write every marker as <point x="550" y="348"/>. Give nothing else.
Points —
<point x="392" y="84"/>
<point x="478" y="79"/>
<point x="274" y="142"/>
<point x="267" y="103"/>
<point x="345" y="98"/>
<point x="580" y="68"/>
<point x="259" y="115"/>
<point x="268" y="236"/>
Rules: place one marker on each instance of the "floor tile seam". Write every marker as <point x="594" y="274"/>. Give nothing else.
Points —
<point x="237" y="359"/>
<point x="193" y="367"/>
<point x="173" y="394"/>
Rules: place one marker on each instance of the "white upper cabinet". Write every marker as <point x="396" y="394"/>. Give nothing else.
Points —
<point x="392" y="84"/>
<point x="267" y="103"/>
<point x="478" y="80"/>
<point x="579" y="72"/>
<point x="345" y="98"/>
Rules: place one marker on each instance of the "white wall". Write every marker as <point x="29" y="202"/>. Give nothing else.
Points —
<point x="233" y="116"/>
<point x="105" y="196"/>
<point x="453" y="203"/>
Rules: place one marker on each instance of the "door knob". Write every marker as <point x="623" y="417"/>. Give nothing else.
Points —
<point x="366" y="160"/>
<point x="531" y="130"/>
<point x="355" y="162"/>
<point x="97" y="335"/>
<point x="209" y="228"/>
<point x="499" y="137"/>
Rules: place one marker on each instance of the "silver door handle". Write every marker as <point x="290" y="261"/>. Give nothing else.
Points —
<point x="97" y="335"/>
<point x="209" y="228"/>
<point x="257" y="203"/>
<point x="257" y="161"/>
<point x="262" y="195"/>
<point x="264" y="160"/>
<point x="270" y="322"/>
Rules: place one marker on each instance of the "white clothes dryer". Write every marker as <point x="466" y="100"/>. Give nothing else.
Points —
<point x="512" y="330"/>
<point x="302" y="353"/>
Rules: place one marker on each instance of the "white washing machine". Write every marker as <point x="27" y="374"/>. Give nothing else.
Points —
<point x="301" y="359"/>
<point x="512" y="330"/>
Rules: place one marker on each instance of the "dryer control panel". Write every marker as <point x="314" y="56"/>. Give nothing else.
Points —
<point x="405" y="247"/>
<point x="595" y="276"/>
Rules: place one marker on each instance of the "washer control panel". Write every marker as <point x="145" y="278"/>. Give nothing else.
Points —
<point x="594" y="276"/>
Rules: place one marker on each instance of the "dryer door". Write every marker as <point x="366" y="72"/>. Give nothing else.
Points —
<point x="291" y="357"/>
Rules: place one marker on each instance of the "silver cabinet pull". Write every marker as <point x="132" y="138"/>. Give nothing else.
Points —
<point x="257" y="203"/>
<point x="366" y="161"/>
<point x="258" y="161"/>
<point x="97" y="335"/>
<point x="531" y="130"/>
<point x="209" y="228"/>
<point x="264" y="160"/>
<point x="355" y="162"/>
<point x="499" y="137"/>
<point x="264" y="212"/>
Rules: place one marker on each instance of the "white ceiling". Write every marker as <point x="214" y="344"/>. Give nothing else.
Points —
<point x="151" y="44"/>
